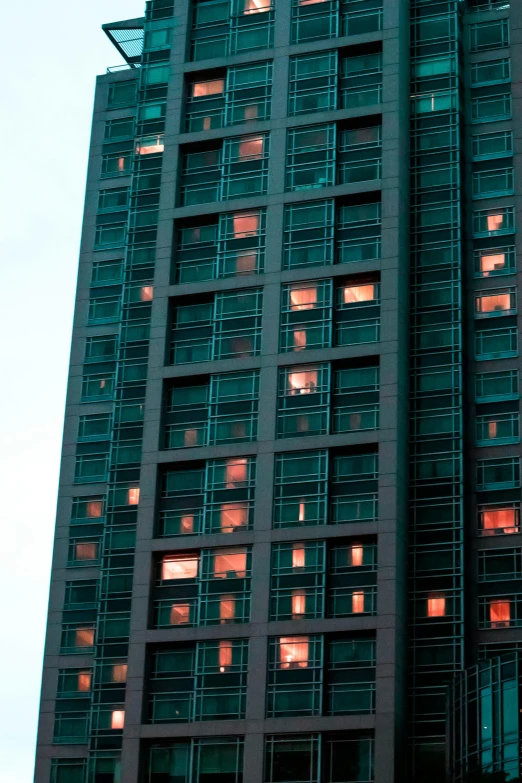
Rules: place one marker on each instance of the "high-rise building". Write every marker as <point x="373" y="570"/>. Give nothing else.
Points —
<point x="289" y="505"/>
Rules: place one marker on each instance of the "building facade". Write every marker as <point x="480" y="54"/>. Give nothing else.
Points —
<point x="290" y="485"/>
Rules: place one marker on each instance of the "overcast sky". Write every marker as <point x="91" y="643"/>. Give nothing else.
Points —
<point x="51" y="52"/>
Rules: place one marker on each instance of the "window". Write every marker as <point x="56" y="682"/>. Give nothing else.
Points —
<point x="113" y="199"/>
<point x="110" y="235"/>
<point x="359" y="233"/>
<point x="122" y="94"/>
<point x="490" y="72"/>
<point x="220" y="29"/>
<point x="495" y="302"/>
<point x="100" y="349"/>
<point x="491" y="386"/>
<point x="295" y="673"/>
<point x="360" y="152"/>
<point x="68" y="770"/>
<point x="217" y="498"/>
<point x="229" y="326"/>
<point x="104" y="309"/>
<point x="301" y="489"/>
<point x="492" y="145"/>
<point x="303" y="401"/>
<point x="496" y="343"/>
<point x="94" y="427"/>
<point x="237" y="169"/>
<point x="499" y="519"/>
<point x="498" y="429"/>
<point x="357" y="312"/>
<point x="310" y="758"/>
<point x="206" y="760"/>
<point x="122" y="128"/>
<point x="310" y="157"/>
<point x="83" y="551"/>
<point x="249" y="92"/>
<point x="436" y="605"/>
<point x="499" y="565"/>
<point x="202" y="682"/>
<point x="87" y="510"/>
<point x="298" y="581"/>
<point x="211" y="589"/>
<point x="306" y="316"/>
<point x="489" y="35"/>
<point x="116" y="164"/>
<point x="313" y="83"/>
<point x="309" y="234"/>
<point x="495" y="262"/>
<point x="77" y="638"/>
<point x="491" y="108"/>
<point x="361" y="80"/>
<point x="498" y="473"/>
<point x="90" y="468"/>
<point x="313" y="20"/>
<point x="488" y="184"/>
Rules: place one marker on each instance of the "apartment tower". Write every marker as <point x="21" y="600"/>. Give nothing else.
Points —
<point x="289" y="502"/>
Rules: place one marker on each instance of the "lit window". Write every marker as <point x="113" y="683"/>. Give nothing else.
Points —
<point x="87" y="551"/>
<point x="493" y="303"/>
<point x="245" y="226"/>
<point x="303" y="298"/>
<point x="235" y="472"/>
<point x="303" y="382"/>
<point x="118" y="719"/>
<point x="251" y="112"/>
<point x="298" y="604"/>
<point x="84" y="682"/>
<point x="492" y="429"/>
<point x="119" y="672"/>
<point x="256" y="6"/>
<point x="187" y="523"/>
<point x="225" y="655"/>
<point x="311" y="2"/>
<point x="251" y="148"/>
<point x="358" y="603"/>
<point x="246" y="263"/>
<point x="121" y="164"/>
<point x="357" y="555"/>
<point x="214" y="87"/>
<point x="230" y="565"/>
<point x="150" y="145"/>
<point x="499" y="614"/>
<point x="492" y="263"/>
<point x="190" y="438"/>
<point x="180" y="614"/>
<point x="84" y="637"/>
<point x="133" y="496"/>
<point x="293" y="652"/>
<point x="436" y="605"/>
<point x="232" y="516"/>
<point x="302" y="508"/>
<point x="298" y="556"/>
<point x="358" y="293"/>
<point x="227" y="608"/>
<point x="94" y="509"/>
<point x="501" y="519"/>
<point x="179" y="568"/>
<point x="299" y="340"/>
<point x="495" y="222"/>
<point x="147" y="293"/>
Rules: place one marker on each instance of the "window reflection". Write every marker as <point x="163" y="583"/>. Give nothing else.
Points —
<point x="225" y="655"/>
<point x="187" y="523"/>
<point x="147" y="293"/>
<point x="356" y="555"/>
<point x="492" y="263"/>
<point x="245" y="225"/>
<point x="293" y="652"/>
<point x="246" y="263"/>
<point x="493" y="303"/>
<point x="84" y="682"/>
<point x="298" y="556"/>
<point x="150" y="145"/>
<point x="499" y="614"/>
<point x="503" y="520"/>
<point x="227" y="608"/>
<point x="303" y="298"/>
<point x="119" y="672"/>
<point x="299" y="340"/>
<point x="251" y="148"/>
<point x="230" y="565"/>
<point x="256" y="6"/>
<point x="303" y="382"/>
<point x="358" y="293"/>
<point x="358" y="602"/>
<point x="213" y="87"/>
<point x="87" y="551"/>
<point x="298" y="604"/>
<point x="235" y="472"/>
<point x="180" y="614"/>
<point x="84" y="637"/>
<point x="179" y="567"/>
<point x="133" y="496"/>
<point x="118" y="719"/>
<point x="232" y="516"/>
<point x="94" y="509"/>
<point x="436" y="605"/>
<point x="495" y="222"/>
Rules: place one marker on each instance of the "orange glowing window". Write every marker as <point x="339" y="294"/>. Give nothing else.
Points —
<point x="358" y="603"/>
<point x="256" y="6"/>
<point x="492" y="263"/>
<point x="356" y="555"/>
<point x="251" y="112"/>
<point x="121" y="164"/>
<point x="118" y="719"/>
<point x="251" y="148"/>
<point x="84" y="682"/>
<point x="493" y="303"/>
<point x="179" y="568"/>
<point x="436" y="605"/>
<point x="87" y="551"/>
<point x="298" y="604"/>
<point x="230" y="565"/>
<point x="499" y="614"/>
<point x="303" y="298"/>
<point x="246" y="263"/>
<point x="302" y="511"/>
<point x="94" y="509"/>
<point x="503" y="519"/>
<point x="293" y="652"/>
<point x="227" y="608"/>
<point x="303" y="382"/>
<point x="495" y="222"/>
<point x="299" y="340"/>
<point x="213" y="87"/>
<point x="224" y="655"/>
<point x="207" y="123"/>
<point x="84" y="637"/>
<point x="492" y="429"/>
<point x="245" y="225"/>
<point x="311" y="2"/>
<point x="298" y="556"/>
<point x="187" y="523"/>
<point x="133" y="496"/>
<point x="102" y="384"/>
<point x="147" y="293"/>
<point x="358" y="293"/>
<point x="190" y="438"/>
<point x="235" y="472"/>
<point x="232" y="516"/>
<point x="150" y="145"/>
<point x="119" y="672"/>
<point x="180" y="614"/>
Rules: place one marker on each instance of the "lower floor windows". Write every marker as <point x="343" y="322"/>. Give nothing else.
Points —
<point x="503" y="518"/>
<point x="500" y="611"/>
<point x="316" y="758"/>
<point x="68" y="770"/>
<point x="212" y="760"/>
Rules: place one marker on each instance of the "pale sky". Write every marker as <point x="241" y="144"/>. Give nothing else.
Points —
<point x="51" y="52"/>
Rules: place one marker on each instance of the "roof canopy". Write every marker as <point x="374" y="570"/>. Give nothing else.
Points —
<point x="127" y="37"/>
